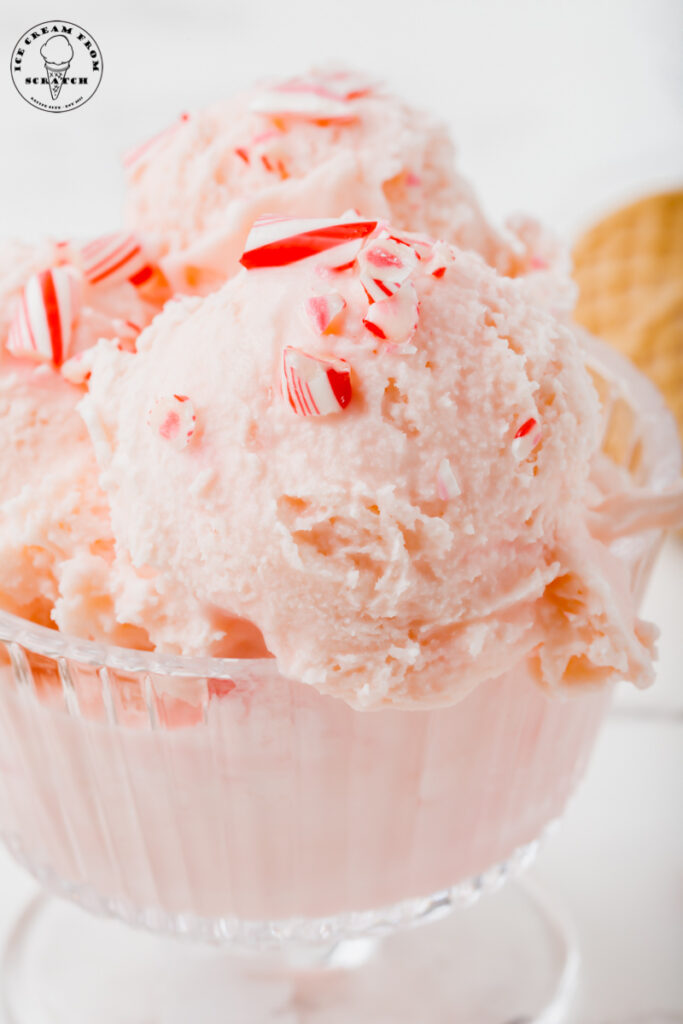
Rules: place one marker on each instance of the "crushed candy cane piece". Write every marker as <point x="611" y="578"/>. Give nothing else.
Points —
<point x="346" y="85"/>
<point x="447" y="485"/>
<point x="323" y="310"/>
<point x="173" y="418"/>
<point x="314" y="97"/>
<point x="134" y="156"/>
<point x="47" y="308"/>
<point x="114" y="258"/>
<point x="440" y="258"/>
<point x="278" y="241"/>
<point x="78" y="368"/>
<point x="526" y="439"/>
<point x="395" y="319"/>
<point x="314" y="387"/>
<point x="306" y="105"/>
<point x="385" y="263"/>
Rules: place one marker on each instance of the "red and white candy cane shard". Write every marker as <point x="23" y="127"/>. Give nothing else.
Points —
<point x="323" y="310"/>
<point x="315" y="387"/>
<point x="345" y="85"/>
<point x="278" y="242"/>
<point x="135" y="156"/>
<point x="43" y="321"/>
<point x="421" y="245"/>
<point x="526" y="439"/>
<point x="173" y="419"/>
<point x="312" y="97"/>
<point x="78" y="368"/>
<point x="394" y="320"/>
<point x="385" y="264"/>
<point x="308" y="106"/>
<point x="127" y="334"/>
<point x="447" y="486"/>
<point x="440" y="259"/>
<point x="111" y="259"/>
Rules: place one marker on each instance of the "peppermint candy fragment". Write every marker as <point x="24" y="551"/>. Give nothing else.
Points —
<point x="526" y="439"/>
<point x="42" y="325"/>
<point x="314" y="387"/>
<point x="440" y="258"/>
<point x="395" y="319"/>
<point x="447" y="486"/>
<point x="268" y="147"/>
<point x="115" y="258"/>
<point x="345" y="85"/>
<point x="385" y="263"/>
<point x="312" y="97"/>
<point x="323" y="310"/>
<point x="173" y="418"/>
<point x="279" y="241"/>
<point x="78" y="368"/>
<point x="134" y="156"/>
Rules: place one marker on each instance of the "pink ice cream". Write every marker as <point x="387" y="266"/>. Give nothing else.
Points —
<point x="383" y="468"/>
<point x="314" y="145"/>
<point x="56" y="545"/>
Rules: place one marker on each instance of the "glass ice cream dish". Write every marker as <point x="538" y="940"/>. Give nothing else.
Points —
<point x="360" y="540"/>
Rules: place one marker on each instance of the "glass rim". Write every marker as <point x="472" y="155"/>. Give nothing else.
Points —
<point x="663" y="454"/>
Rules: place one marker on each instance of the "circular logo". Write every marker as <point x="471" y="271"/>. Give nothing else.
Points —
<point x="56" y="66"/>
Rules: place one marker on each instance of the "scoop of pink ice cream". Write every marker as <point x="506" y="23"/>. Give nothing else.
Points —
<point x="315" y="145"/>
<point x="56" y="544"/>
<point x="379" y="456"/>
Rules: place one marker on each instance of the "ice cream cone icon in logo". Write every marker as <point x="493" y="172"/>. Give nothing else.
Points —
<point x="57" y="53"/>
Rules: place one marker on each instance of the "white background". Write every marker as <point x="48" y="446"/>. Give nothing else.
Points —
<point x="564" y="109"/>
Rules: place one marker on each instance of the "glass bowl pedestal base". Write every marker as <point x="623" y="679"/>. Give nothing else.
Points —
<point x="509" y="959"/>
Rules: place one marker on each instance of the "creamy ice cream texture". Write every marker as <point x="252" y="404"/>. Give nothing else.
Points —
<point x="56" y="544"/>
<point x="376" y="451"/>
<point x="315" y="145"/>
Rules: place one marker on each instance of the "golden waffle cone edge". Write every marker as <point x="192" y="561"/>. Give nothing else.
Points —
<point x="629" y="270"/>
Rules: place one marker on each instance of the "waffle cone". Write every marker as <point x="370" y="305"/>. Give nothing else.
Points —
<point x="55" y="77"/>
<point x="629" y="269"/>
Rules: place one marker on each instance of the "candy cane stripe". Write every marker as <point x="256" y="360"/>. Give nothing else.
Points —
<point x="114" y="267"/>
<point x="115" y="258"/>
<point x="312" y="400"/>
<point x="279" y="242"/>
<point x="52" y="314"/>
<point x="42" y="324"/>
<point x="142" y="275"/>
<point x="526" y="438"/>
<point x="314" y="386"/>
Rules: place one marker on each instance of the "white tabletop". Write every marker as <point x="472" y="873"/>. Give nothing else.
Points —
<point x="562" y="109"/>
